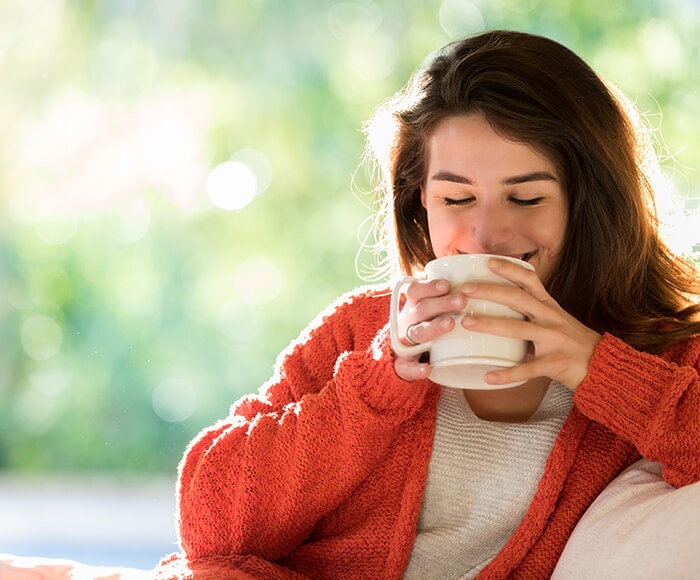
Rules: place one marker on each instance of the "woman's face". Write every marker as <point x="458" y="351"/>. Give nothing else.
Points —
<point x="485" y="194"/>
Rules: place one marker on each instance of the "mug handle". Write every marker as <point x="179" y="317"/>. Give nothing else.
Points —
<point x="396" y="343"/>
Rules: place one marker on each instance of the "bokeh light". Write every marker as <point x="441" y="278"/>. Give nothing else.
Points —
<point x="232" y="185"/>
<point x="51" y="380"/>
<point x="35" y="412"/>
<point x="132" y="221"/>
<point x="41" y="337"/>
<point x="174" y="400"/>
<point x="460" y="18"/>
<point x="357" y="66"/>
<point x="663" y="51"/>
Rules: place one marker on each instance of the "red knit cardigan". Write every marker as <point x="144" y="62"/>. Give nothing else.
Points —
<point x="321" y="474"/>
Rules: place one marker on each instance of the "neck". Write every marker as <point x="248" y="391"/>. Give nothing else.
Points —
<point x="514" y="405"/>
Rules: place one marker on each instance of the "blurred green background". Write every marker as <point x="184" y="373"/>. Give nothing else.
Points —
<point x="177" y="198"/>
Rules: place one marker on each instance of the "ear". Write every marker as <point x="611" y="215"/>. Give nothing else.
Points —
<point x="422" y="197"/>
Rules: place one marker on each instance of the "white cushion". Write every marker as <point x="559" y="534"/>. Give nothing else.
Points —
<point x="638" y="527"/>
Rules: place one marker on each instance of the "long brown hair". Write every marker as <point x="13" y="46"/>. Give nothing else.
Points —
<point x="615" y="272"/>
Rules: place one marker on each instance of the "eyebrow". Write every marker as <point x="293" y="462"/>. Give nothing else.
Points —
<point x="513" y="180"/>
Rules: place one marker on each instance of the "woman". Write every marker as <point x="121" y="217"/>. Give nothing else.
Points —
<point x="351" y="463"/>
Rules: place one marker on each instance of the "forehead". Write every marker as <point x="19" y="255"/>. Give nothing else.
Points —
<point x="469" y="145"/>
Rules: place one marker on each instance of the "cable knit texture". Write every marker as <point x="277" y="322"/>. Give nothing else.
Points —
<point x="321" y="474"/>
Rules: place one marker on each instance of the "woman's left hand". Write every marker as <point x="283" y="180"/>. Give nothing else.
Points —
<point x="562" y="346"/>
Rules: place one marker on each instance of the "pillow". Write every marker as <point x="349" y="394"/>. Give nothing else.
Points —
<point x="638" y="527"/>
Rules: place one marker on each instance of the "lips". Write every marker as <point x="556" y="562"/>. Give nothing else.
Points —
<point x="524" y="257"/>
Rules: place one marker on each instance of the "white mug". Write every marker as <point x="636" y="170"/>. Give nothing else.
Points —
<point x="461" y="357"/>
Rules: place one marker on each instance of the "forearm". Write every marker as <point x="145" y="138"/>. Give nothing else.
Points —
<point x="651" y="401"/>
<point x="259" y="485"/>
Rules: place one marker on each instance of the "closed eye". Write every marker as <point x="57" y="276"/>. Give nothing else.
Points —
<point x="526" y="202"/>
<point x="457" y="202"/>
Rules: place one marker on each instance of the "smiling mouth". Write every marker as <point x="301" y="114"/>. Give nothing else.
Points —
<point x="524" y="257"/>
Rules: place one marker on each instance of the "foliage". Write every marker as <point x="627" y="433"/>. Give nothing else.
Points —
<point x="134" y="307"/>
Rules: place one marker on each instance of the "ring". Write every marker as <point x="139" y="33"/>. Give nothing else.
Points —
<point x="408" y="337"/>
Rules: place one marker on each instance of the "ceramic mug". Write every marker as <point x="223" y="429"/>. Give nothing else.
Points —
<point x="461" y="357"/>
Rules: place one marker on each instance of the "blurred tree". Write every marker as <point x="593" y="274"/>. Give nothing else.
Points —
<point x="176" y="190"/>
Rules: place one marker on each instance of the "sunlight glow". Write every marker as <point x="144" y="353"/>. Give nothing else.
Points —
<point x="681" y="230"/>
<point x="97" y="156"/>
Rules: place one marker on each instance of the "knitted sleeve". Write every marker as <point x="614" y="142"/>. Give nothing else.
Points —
<point x="257" y="482"/>
<point x="651" y="401"/>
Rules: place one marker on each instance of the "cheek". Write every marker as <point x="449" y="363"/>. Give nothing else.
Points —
<point x="548" y="232"/>
<point x="442" y="228"/>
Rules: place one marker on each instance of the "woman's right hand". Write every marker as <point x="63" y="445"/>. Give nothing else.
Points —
<point x="423" y="316"/>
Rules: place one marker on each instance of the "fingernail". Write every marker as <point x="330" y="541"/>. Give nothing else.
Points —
<point x="468" y="321"/>
<point x="468" y="288"/>
<point x="445" y="323"/>
<point x="456" y="301"/>
<point x="494" y="264"/>
<point x="442" y="286"/>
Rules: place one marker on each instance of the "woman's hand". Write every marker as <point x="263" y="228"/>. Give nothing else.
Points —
<point x="423" y="316"/>
<point x="562" y="346"/>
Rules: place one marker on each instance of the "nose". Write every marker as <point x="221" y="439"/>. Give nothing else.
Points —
<point x="490" y="229"/>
